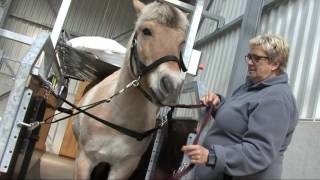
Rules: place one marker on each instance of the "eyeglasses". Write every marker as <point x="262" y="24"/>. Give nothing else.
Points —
<point x="255" y="58"/>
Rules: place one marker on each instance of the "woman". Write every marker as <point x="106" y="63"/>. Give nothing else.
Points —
<point x="254" y="126"/>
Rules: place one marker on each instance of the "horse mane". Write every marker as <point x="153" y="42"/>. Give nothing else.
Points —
<point x="164" y="14"/>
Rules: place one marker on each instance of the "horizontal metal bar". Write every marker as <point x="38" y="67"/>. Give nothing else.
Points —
<point x="7" y="58"/>
<point x="8" y="75"/>
<point x="310" y="119"/>
<point x="16" y="36"/>
<point x="189" y="8"/>
<point x="30" y="21"/>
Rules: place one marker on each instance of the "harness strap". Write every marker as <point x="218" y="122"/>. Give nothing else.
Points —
<point x="134" y="134"/>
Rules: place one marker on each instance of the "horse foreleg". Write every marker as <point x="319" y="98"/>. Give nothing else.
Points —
<point x="83" y="166"/>
<point x="124" y="168"/>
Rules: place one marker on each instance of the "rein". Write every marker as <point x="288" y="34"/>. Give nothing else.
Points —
<point x="185" y="169"/>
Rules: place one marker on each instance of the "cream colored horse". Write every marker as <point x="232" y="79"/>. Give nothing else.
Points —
<point x="159" y="31"/>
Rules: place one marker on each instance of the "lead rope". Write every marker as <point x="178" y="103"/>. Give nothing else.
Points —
<point x="184" y="169"/>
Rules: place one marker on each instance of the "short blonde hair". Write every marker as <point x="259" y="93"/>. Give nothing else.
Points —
<point x="276" y="48"/>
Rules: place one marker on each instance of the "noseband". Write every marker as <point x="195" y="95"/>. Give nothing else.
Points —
<point x="142" y="69"/>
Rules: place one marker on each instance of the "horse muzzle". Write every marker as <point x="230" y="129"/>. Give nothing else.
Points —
<point x="168" y="90"/>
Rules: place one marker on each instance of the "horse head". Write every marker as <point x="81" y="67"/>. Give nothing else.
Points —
<point x="155" y="52"/>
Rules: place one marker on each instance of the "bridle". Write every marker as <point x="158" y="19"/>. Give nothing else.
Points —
<point x="142" y="69"/>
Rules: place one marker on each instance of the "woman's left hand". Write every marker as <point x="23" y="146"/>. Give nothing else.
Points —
<point x="197" y="153"/>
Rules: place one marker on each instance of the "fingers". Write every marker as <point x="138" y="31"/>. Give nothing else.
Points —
<point x="210" y="99"/>
<point x="196" y="153"/>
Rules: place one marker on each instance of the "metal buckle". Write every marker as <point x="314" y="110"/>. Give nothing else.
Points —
<point x="181" y="168"/>
<point x="164" y="120"/>
<point x="32" y="125"/>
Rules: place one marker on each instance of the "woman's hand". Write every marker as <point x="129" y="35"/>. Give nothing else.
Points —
<point x="197" y="153"/>
<point x="210" y="99"/>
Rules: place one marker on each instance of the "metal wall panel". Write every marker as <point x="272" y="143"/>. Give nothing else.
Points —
<point x="218" y="55"/>
<point x="229" y="9"/>
<point x="40" y="11"/>
<point x="107" y="18"/>
<point x="299" y="23"/>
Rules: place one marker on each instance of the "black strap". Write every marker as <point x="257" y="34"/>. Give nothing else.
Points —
<point x="126" y="131"/>
<point x="146" y="69"/>
<point x="182" y="65"/>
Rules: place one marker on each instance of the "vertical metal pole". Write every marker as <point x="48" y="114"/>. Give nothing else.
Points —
<point x="9" y="124"/>
<point x="192" y="31"/>
<point x="248" y="30"/>
<point x="64" y="8"/>
<point x="1" y="56"/>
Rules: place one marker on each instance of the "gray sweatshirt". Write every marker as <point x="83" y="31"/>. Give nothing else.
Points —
<point x="252" y="130"/>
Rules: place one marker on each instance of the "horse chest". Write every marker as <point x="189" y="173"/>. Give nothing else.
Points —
<point x="114" y="148"/>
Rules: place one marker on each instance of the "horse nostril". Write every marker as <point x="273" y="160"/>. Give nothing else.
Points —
<point x="167" y="85"/>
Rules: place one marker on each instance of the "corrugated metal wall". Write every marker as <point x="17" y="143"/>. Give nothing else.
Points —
<point x="299" y="22"/>
<point x="107" y="18"/>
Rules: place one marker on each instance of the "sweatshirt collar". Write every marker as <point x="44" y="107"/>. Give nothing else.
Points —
<point x="280" y="79"/>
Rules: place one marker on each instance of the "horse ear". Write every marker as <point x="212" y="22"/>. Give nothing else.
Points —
<point x="138" y="6"/>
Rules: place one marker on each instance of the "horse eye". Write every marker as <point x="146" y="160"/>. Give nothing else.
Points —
<point x="146" y="32"/>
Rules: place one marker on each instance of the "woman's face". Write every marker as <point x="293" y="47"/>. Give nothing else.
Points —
<point x="259" y="66"/>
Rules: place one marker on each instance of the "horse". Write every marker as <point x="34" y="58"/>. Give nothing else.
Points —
<point x="153" y="65"/>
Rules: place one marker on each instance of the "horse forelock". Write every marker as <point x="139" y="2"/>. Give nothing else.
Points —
<point x="163" y="14"/>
